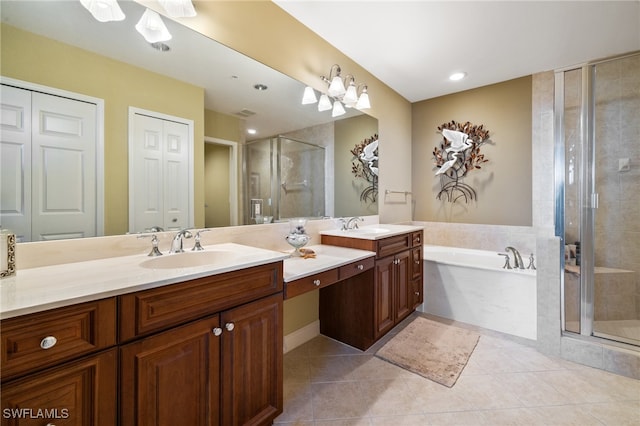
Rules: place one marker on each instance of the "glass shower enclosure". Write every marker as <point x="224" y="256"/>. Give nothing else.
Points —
<point x="284" y="178"/>
<point x="598" y="197"/>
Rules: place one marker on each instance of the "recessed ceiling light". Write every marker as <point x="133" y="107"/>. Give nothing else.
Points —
<point x="252" y="131"/>
<point x="456" y="76"/>
<point x="260" y="87"/>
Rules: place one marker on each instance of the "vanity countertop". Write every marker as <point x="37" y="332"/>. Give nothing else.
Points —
<point x="39" y="289"/>
<point x="373" y="232"/>
<point x="327" y="257"/>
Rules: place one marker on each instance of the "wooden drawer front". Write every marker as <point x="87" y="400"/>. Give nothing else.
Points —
<point x="416" y="262"/>
<point x="310" y="283"/>
<point x="78" y="330"/>
<point x="417" y="239"/>
<point x="152" y="310"/>
<point x="393" y="245"/>
<point x="355" y="268"/>
<point x="77" y="393"/>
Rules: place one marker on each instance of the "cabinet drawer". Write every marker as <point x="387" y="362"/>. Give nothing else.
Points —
<point x="393" y="245"/>
<point x="306" y="284"/>
<point x="355" y="268"/>
<point x="66" y="333"/>
<point x="417" y="238"/>
<point x="160" y="308"/>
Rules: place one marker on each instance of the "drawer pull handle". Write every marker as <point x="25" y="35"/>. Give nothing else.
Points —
<point x="360" y="267"/>
<point x="316" y="282"/>
<point x="417" y="293"/>
<point x="417" y="262"/>
<point x="229" y="326"/>
<point x="217" y="331"/>
<point x="48" y="342"/>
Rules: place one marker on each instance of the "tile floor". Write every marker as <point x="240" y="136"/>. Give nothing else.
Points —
<point x="504" y="383"/>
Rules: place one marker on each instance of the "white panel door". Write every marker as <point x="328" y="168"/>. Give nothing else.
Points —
<point x="64" y="168"/>
<point x="15" y="161"/>
<point x="159" y="174"/>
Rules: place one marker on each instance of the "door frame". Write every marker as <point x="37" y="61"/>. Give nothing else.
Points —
<point x="99" y="135"/>
<point x="190" y="129"/>
<point x="233" y="175"/>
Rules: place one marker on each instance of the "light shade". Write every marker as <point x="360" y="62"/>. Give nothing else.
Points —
<point x="325" y="103"/>
<point x="351" y="97"/>
<point x="363" y="100"/>
<point x="152" y="27"/>
<point x="104" y="10"/>
<point x="338" y="109"/>
<point x="309" y="96"/>
<point x="336" y="88"/>
<point x="178" y="8"/>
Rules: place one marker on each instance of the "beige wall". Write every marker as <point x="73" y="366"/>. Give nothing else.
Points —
<point x="35" y="59"/>
<point x="216" y="185"/>
<point x="503" y="185"/>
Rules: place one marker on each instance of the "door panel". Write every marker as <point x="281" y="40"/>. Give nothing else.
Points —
<point x="384" y="283"/>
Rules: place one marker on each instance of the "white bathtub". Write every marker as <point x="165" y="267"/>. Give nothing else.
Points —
<point x="470" y="286"/>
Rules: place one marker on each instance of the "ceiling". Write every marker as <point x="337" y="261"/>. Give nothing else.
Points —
<point x="413" y="46"/>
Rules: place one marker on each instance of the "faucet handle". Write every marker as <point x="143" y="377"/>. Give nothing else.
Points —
<point x="196" y="245"/>
<point x="507" y="265"/>
<point x="154" y="244"/>
<point x="532" y="264"/>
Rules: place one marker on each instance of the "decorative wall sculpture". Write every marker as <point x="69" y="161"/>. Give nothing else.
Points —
<point x="457" y="155"/>
<point x="364" y="164"/>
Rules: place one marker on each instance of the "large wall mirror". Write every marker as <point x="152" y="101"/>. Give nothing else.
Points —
<point x="59" y="45"/>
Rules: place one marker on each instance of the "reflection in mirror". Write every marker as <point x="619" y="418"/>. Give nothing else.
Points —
<point x="57" y="44"/>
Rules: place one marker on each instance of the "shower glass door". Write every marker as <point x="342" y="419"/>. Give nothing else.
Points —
<point x="600" y="131"/>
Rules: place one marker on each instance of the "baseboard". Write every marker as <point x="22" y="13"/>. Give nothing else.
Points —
<point x="301" y="336"/>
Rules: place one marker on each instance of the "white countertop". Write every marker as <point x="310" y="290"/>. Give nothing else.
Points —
<point x="327" y="257"/>
<point x="373" y="232"/>
<point x="39" y="289"/>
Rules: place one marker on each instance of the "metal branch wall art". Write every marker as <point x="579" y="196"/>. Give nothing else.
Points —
<point x="457" y="155"/>
<point x="364" y="164"/>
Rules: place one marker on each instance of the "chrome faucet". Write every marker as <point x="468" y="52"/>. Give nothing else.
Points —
<point x="517" y="259"/>
<point x="176" y="243"/>
<point x="352" y="223"/>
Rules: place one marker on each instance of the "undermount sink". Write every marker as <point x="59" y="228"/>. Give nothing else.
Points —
<point x="191" y="259"/>
<point x="369" y="230"/>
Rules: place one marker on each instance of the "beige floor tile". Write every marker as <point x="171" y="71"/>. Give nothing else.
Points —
<point x="331" y="368"/>
<point x="531" y="389"/>
<point x="616" y="413"/>
<point x="413" y="420"/>
<point x="484" y="392"/>
<point x="369" y="367"/>
<point x="513" y="417"/>
<point x="296" y="369"/>
<point x="460" y="418"/>
<point x="388" y="398"/>
<point x="575" y="387"/>
<point x="337" y="400"/>
<point x="433" y="397"/>
<point x="297" y="403"/>
<point x="566" y="415"/>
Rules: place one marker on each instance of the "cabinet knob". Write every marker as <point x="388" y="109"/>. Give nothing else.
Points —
<point x="217" y="331"/>
<point x="360" y="267"/>
<point x="316" y="282"/>
<point x="417" y="262"/>
<point x="417" y="293"/>
<point x="48" y="342"/>
<point x="229" y="326"/>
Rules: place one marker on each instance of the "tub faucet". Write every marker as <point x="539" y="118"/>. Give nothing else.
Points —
<point x="176" y="243"/>
<point x="517" y="259"/>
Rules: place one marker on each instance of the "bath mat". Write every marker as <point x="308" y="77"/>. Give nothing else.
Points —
<point x="433" y="350"/>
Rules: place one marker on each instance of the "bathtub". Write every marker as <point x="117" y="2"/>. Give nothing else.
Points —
<point x="470" y="286"/>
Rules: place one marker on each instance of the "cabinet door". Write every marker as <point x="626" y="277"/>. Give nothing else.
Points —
<point x="416" y="264"/>
<point x="252" y="362"/>
<point x="384" y="300"/>
<point x="403" y="290"/>
<point x="172" y="378"/>
<point x="417" y="292"/>
<point x="78" y="393"/>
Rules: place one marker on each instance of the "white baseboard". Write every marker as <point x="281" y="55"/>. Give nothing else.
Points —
<point x="301" y="336"/>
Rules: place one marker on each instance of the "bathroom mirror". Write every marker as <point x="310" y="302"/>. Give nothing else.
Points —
<point x="224" y="82"/>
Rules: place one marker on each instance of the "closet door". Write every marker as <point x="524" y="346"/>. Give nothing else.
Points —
<point x="64" y="168"/>
<point x="159" y="179"/>
<point x="15" y="161"/>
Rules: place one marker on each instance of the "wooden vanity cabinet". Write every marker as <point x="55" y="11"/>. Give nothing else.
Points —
<point x="224" y="368"/>
<point x="359" y="312"/>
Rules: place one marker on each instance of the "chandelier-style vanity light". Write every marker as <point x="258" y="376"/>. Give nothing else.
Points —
<point x="152" y="27"/>
<point x="178" y="8"/>
<point x="104" y="10"/>
<point x="343" y="92"/>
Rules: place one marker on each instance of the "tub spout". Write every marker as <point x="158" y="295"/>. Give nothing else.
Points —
<point x="517" y="259"/>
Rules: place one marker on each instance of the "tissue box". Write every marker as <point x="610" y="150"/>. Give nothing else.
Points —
<point x="7" y="255"/>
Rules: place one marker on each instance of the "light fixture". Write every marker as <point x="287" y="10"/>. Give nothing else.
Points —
<point x="309" y="96"/>
<point x="456" y="76"/>
<point x="152" y="27"/>
<point x="352" y="96"/>
<point x="178" y="8"/>
<point x="252" y="131"/>
<point x="104" y="10"/>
